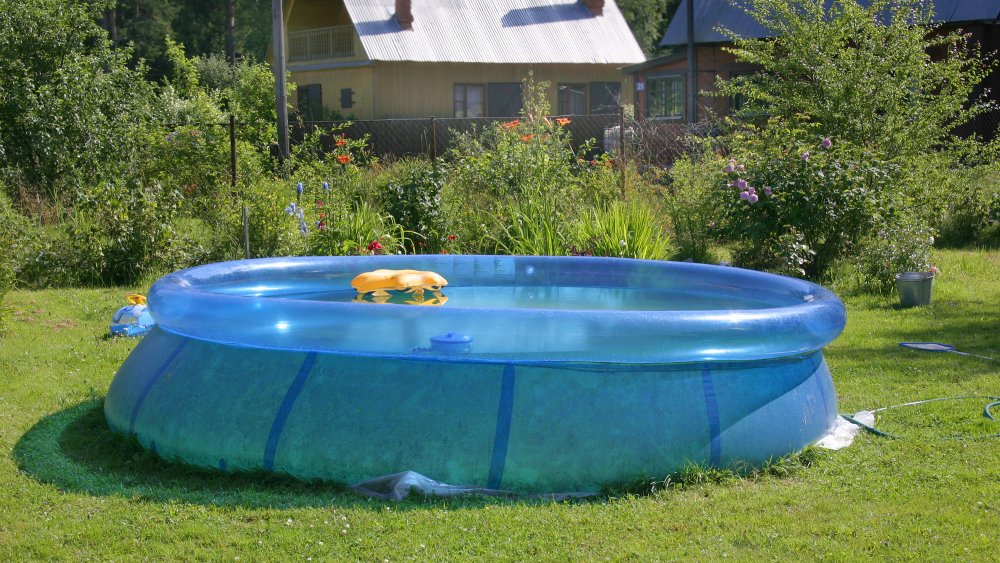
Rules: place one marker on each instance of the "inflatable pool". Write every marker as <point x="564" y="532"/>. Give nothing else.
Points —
<point x="537" y="374"/>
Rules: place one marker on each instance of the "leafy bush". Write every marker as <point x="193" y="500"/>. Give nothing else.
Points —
<point x="516" y="187"/>
<point x="120" y="232"/>
<point x="691" y="204"/>
<point x="794" y="202"/>
<point x="624" y="230"/>
<point x="902" y="245"/>
<point x="73" y="112"/>
<point x="414" y="201"/>
<point x="973" y="214"/>
<point x="879" y="74"/>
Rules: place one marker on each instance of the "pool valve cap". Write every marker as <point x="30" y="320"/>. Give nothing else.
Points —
<point x="451" y="342"/>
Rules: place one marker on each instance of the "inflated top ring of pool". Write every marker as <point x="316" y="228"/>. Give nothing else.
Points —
<point x="537" y="374"/>
<point x="520" y="309"/>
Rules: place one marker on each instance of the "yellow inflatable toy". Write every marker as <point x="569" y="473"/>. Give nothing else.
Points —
<point x="378" y="283"/>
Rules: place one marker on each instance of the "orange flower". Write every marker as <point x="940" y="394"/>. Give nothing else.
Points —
<point x="511" y="124"/>
<point x="343" y="158"/>
<point x="527" y="138"/>
<point x="563" y="121"/>
<point x="341" y="142"/>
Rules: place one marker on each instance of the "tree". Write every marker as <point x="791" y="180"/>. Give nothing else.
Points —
<point x="882" y="75"/>
<point x="648" y="20"/>
<point x="71" y="110"/>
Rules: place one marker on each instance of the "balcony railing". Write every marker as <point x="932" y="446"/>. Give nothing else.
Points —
<point x="323" y="43"/>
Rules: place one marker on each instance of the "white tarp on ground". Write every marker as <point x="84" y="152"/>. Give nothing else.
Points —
<point x="844" y="431"/>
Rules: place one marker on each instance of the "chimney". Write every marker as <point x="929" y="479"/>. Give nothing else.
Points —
<point x="404" y="14"/>
<point x="596" y="6"/>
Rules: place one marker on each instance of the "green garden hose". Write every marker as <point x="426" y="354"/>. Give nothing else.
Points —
<point x="877" y="432"/>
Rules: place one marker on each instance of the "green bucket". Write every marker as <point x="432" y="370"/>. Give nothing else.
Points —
<point x="915" y="288"/>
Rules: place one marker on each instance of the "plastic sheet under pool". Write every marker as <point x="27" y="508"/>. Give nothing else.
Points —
<point x="543" y="400"/>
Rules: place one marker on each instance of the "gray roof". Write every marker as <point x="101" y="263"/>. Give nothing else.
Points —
<point x="709" y="14"/>
<point x="495" y="31"/>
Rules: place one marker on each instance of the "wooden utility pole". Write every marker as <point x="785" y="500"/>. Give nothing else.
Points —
<point x="280" y="94"/>
<point x="230" y="32"/>
<point x="692" y="70"/>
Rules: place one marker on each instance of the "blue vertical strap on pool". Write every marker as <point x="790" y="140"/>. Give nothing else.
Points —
<point x="149" y="386"/>
<point x="712" y="408"/>
<point x="501" y="439"/>
<point x="286" y="408"/>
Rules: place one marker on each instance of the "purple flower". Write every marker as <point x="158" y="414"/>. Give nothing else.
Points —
<point x="298" y="188"/>
<point x="741" y="167"/>
<point x="753" y="198"/>
<point x="827" y="143"/>
<point x="291" y="208"/>
<point x="805" y="155"/>
<point x="729" y="168"/>
<point x="741" y="184"/>
<point x="752" y="190"/>
<point x="744" y="195"/>
<point x="326" y="186"/>
<point x="767" y="190"/>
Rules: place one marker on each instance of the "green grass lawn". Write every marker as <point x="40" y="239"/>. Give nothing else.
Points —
<point x="69" y="489"/>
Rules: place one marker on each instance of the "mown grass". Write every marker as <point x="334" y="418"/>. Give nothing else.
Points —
<point x="71" y="490"/>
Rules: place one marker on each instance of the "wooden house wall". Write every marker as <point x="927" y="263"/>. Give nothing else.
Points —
<point x="411" y="89"/>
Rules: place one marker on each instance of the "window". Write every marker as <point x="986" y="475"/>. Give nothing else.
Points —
<point x="311" y="101"/>
<point x="572" y="99"/>
<point x="665" y="96"/>
<point x="605" y="97"/>
<point x="470" y="100"/>
<point x="503" y="99"/>
<point x="739" y="101"/>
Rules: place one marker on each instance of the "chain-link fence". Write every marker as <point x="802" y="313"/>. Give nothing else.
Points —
<point x="432" y="136"/>
<point x="649" y="142"/>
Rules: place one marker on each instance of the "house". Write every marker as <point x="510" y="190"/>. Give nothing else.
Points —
<point x="661" y="83"/>
<point x="377" y="59"/>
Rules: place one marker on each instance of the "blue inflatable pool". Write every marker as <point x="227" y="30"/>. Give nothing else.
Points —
<point x="539" y="374"/>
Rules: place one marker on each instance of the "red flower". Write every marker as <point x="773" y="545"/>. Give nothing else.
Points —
<point x="511" y="124"/>
<point x="343" y="158"/>
<point x="341" y="142"/>
<point x="452" y="237"/>
<point x="563" y="121"/>
<point x="593" y="163"/>
<point x="375" y="247"/>
<point x="527" y="138"/>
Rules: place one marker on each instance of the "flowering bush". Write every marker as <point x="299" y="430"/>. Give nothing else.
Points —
<point x="794" y="200"/>
<point x="901" y="246"/>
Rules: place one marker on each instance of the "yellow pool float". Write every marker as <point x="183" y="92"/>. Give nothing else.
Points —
<point x="378" y="283"/>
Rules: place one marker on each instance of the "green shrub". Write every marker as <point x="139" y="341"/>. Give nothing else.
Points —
<point x="877" y="74"/>
<point x="119" y="232"/>
<point x="624" y="230"/>
<point x="794" y="202"/>
<point x="973" y="214"/>
<point x="691" y="204"/>
<point x="517" y="187"/>
<point x="902" y="245"/>
<point x="414" y="201"/>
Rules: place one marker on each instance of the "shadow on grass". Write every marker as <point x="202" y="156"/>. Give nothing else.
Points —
<point x="74" y="450"/>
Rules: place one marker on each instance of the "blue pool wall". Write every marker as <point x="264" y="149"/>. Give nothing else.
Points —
<point x="523" y="428"/>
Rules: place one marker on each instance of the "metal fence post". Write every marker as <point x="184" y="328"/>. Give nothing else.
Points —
<point x="621" y="146"/>
<point x="434" y="143"/>
<point x="232" y="150"/>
